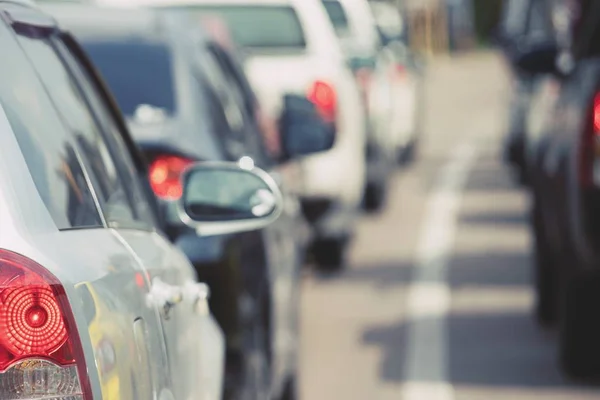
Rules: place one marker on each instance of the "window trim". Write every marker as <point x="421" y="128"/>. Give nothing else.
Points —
<point x="253" y="141"/>
<point x="88" y="182"/>
<point x="56" y="43"/>
<point x="139" y="161"/>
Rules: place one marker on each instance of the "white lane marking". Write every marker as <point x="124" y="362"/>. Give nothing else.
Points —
<point x="428" y="297"/>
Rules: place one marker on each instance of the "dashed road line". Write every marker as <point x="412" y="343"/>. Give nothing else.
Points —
<point x="429" y="295"/>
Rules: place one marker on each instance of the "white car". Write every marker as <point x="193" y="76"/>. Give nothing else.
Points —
<point x="292" y="48"/>
<point x="95" y="303"/>
<point x="373" y="38"/>
<point x="357" y="33"/>
<point x="407" y="72"/>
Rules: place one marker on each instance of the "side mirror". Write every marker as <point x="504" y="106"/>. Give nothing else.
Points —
<point x="223" y="198"/>
<point x="537" y="58"/>
<point x="303" y="130"/>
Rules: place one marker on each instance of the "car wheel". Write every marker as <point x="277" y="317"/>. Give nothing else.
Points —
<point x="579" y="342"/>
<point x="328" y="254"/>
<point x="375" y="195"/>
<point x="545" y="269"/>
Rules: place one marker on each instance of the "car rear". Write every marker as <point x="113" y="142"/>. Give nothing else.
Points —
<point x="359" y="39"/>
<point x="54" y="243"/>
<point x="290" y="47"/>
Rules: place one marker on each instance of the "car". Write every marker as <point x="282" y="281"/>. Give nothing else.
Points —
<point x="407" y="76"/>
<point x="523" y="22"/>
<point x="565" y="188"/>
<point x="96" y="302"/>
<point x="359" y="39"/>
<point x="307" y="61"/>
<point x="187" y="100"/>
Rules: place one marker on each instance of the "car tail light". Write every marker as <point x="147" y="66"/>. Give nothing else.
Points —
<point x="40" y="350"/>
<point x="165" y="176"/>
<point x="596" y="116"/>
<point x="590" y="148"/>
<point x="324" y="97"/>
<point x="399" y="71"/>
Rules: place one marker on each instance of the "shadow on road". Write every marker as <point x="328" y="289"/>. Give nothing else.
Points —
<point x="497" y="218"/>
<point x="499" y="349"/>
<point x="505" y="269"/>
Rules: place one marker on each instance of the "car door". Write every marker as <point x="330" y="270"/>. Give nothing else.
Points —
<point x="50" y="121"/>
<point x="193" y="341"/>
<point x="283" y="239"/>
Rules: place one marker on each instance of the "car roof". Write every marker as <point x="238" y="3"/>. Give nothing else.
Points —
<point x="88" y="19"/>
<point x="176" y="3"/>
<point x="23" y="2"/>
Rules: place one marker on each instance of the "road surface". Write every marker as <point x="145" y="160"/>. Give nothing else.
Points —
<point x="436" y="301"/>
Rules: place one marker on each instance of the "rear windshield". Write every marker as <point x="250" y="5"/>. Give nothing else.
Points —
<point x="259" y="27"/>
<point x="337" y="15"/>
<point x="139" y="73"/>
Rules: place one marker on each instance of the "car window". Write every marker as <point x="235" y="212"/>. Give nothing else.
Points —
<point x="76" y="114"/>
<point x="243" y="97"/>
<point x="121" y="154"/>
<point x="258" y="27"/>
<point x="226" y="103"/>
<point x="337" y="16"/>
<point x="138" y="71"/>
<point x="232" y="149"/>
<point x="46" y="143"/>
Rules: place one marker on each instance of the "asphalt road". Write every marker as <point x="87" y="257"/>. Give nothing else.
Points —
<point x="436" y="302"/>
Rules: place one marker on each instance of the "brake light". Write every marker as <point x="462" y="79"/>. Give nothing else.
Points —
<point x="590" y="148"/>
<point x="399" y="71"/>
<point x="165" y="176"/>
<point x="40" y="351"/>
<point x="323" y="96"/>
<point x="597" y="114"/>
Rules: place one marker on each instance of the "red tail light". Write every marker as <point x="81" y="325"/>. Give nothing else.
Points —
<point x="165" y="176"/>
<point x="324" y="97"/>
<point x="40" y="351"/>
<point x="590" y="148"/>
<point x="597" y="114"/>
<point x="399" y="71"/>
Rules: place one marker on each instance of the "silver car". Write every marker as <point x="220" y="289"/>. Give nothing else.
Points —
<point x="95" y="303"/>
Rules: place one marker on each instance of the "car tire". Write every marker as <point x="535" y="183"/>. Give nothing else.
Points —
<point x="329" y="254"/>
<point x="375" y="195"/>
<point x="545" y="270"/>
<point x="579" y="333"/>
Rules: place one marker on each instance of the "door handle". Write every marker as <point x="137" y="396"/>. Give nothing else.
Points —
<point x="199" y="293"/>
<point x="164" y="297"/>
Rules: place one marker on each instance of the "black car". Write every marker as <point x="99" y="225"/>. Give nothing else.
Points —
<point x="566" y="187"/>
<point x="186" y="100"/>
